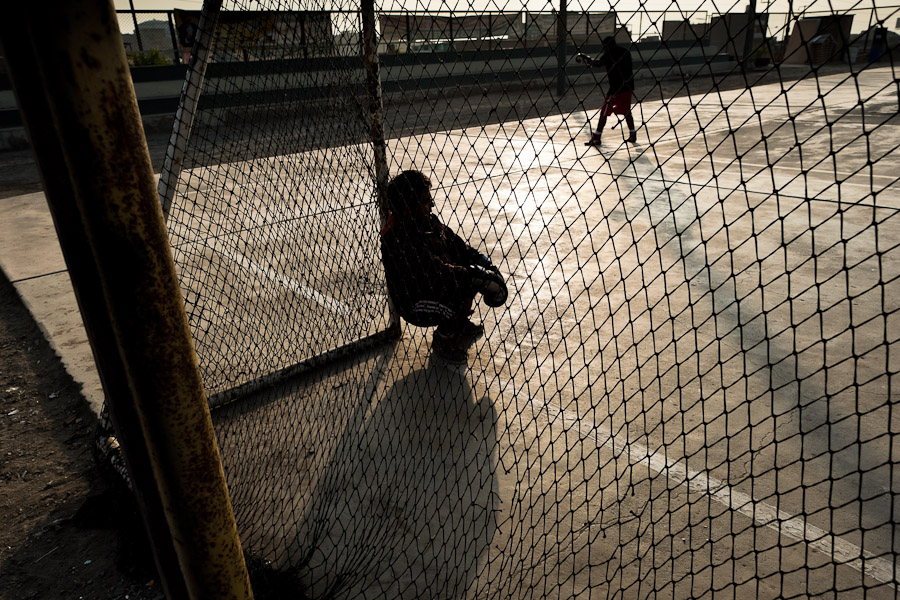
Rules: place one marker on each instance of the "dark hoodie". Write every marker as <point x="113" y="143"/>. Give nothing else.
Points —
<point x="617" y="61"/>
<point x="424" y="260"/>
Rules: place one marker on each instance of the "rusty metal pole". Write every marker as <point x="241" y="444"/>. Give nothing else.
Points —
<point x="24" y="72"/>
<point x="376" y="112"/>
<point x="105" y="180"/>
<point x="562" y="31"/>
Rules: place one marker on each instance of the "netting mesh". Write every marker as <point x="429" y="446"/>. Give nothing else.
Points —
<point x="689" y="392"/>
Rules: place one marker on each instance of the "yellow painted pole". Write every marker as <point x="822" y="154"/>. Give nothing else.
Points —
<point x="82" y="74"/>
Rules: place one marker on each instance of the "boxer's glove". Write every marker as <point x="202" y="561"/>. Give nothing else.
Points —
<point x="489" y="282"/>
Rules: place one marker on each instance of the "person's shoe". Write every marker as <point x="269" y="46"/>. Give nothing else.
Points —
<point x="594" y="141"/>
<point x="449" y="348"/>
<point x="463" y="333"/>
<point x="632" y="139"/>
<point x="470" y="333"/>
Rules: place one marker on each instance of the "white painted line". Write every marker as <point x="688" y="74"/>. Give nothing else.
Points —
<point x="715" y="182"/>
<point x="816" y="170"/>
<point x="289" y="282"/>
<point x="841" y="551"/>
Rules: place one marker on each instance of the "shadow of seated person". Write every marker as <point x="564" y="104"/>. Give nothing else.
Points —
<point x="406" y="505"/>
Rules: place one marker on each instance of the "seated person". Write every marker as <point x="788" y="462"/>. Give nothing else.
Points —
<point x="432" y="274"/>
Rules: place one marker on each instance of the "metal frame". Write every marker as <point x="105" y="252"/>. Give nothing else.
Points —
<point x="174" y="161"/>
<point x="72" y="82"/>
<point x="187" y="107"/>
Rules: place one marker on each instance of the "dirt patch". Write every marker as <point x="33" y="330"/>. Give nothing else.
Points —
<point x="67" y="532"/>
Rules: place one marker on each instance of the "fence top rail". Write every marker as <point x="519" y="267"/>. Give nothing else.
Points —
<point x="144" y="11"/>
<point x="442" y="11"/>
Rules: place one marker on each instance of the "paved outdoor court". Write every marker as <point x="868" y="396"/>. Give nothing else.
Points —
<point x="688" y="390"/>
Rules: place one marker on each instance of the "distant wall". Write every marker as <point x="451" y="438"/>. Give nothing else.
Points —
<point x="158" y="88"/>
<point x="803" y="45"/>
<point x="729" y="32"/>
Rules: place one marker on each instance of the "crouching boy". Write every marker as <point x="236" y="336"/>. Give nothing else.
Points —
<point x="432" y="274"/>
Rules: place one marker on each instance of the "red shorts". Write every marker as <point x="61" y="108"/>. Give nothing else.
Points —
<point x="619" y="104"/>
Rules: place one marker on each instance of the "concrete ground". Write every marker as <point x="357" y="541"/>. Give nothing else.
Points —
<point x="689" y="391"/>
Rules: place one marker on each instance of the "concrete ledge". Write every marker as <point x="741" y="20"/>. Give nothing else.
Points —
<point x="158" y="89"/>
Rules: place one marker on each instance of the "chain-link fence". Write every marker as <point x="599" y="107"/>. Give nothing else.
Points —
<point x="689" y="391"/>
<point x="150" y="37"/>
<point x="165" y="37"/>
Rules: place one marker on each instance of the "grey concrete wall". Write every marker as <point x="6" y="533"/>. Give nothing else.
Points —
<point x="159" y="88"/>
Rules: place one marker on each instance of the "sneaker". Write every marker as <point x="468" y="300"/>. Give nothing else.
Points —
<point x="447" y="348"/>
<point x="594" y="141"/>
<point x="471" y="333"/>
<point x="632" y="139"/>
<point x="463" y="333"/>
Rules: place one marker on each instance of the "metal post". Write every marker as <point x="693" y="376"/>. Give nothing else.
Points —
<point x="870" y="37"/>
<point x="376" y="111"/>
<point x="103" y="181"/>
<point x="490" y="33"/>
<point x="137" y="29"/>
<point x="24" y="71"/>
<point x="176" y="49"/>
<point x="451" y="46"/>
<point x="303" y="37"/>
<point x="409" y="39"/>
<point x="562" y="22"/>
<point x="749" y="34"/>
<point x="187" y="107"/>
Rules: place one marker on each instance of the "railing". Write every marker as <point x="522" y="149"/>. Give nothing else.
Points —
<point x="164" y="37"/>
<point x="150" y="37"/>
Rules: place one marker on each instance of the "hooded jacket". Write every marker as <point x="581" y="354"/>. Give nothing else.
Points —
<point x="425" y="260"/>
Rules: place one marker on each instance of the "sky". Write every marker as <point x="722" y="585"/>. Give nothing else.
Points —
<point x="888" y="10"/>
<point x="650" y="5"/>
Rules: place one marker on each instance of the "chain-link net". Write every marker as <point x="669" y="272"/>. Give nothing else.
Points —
<point x="689" y="391"/>
<point x="150" y="37"/>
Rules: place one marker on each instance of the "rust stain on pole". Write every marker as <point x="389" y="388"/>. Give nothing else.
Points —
<point x="90" y="94"/>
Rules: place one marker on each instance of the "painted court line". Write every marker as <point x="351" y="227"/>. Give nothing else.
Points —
<point x="842" y="551"/>
<point x="289" y="282"/>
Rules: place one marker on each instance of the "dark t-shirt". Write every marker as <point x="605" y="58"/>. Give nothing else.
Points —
<point x="617" y="61"/>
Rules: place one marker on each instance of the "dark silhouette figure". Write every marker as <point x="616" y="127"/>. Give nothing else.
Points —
<point x="617" y="61"/>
